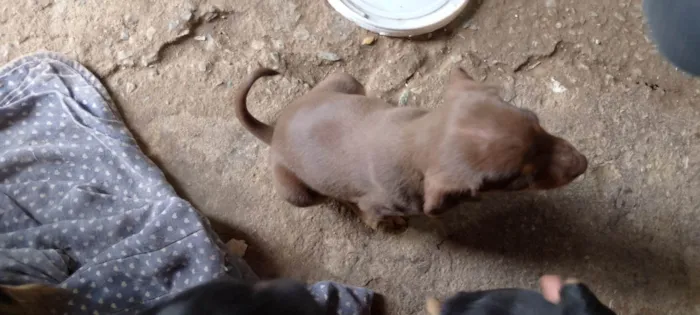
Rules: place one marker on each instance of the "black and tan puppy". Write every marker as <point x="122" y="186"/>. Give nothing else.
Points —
<point x="231" y="297"/>
<point x="31" y="299"/>
<point x="574" y="298"/>
<point x="392" y="162"/>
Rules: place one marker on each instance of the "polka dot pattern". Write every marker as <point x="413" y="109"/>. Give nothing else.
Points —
<point x="342" y="299"/>
<point x="82" y="207"/>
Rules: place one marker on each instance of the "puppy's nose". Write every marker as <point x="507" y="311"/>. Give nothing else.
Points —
<point x="579" y="165"/>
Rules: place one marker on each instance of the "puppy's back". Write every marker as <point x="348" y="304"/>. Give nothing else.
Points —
<point x="499" y="302"/>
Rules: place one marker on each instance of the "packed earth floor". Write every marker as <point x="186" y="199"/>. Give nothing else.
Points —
<point x="630" y="227"/>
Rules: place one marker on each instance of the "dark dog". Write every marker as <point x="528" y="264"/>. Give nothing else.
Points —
<point x="229" y="297"/>
<point x="392" y="162"/>
<point x="31" y="299"/>
<point x="574" y="299"/>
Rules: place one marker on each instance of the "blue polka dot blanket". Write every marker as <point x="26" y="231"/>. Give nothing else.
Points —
<point x="83" y="208"/>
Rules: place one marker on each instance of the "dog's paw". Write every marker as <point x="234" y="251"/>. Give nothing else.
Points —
<point x="237" y="247"/>
<point x="383" y="223"/>
<point x="393" y="224"/>
<point x="372" y="221"/>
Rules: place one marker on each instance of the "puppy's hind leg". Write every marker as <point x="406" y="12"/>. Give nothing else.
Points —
<point x="375" y="216"/>
<point x="292" y="189"/>
<point x="343" y="83"/>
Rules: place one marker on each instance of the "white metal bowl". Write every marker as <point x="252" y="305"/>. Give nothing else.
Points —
<point x="400" y="18"/>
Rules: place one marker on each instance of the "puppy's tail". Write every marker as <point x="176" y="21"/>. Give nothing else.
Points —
<point x="259" y="129"/>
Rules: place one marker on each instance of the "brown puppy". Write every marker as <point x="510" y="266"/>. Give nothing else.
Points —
<point x="391" y="162"/>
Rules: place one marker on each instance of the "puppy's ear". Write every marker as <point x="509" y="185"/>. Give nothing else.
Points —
<point x="440" y="196"/>
<point x="432" y="306"/>
<point x="576" y="298"/>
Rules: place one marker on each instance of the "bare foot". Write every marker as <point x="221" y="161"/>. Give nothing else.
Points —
<point x="432" y="306"/>
<point x="551" y="285"/>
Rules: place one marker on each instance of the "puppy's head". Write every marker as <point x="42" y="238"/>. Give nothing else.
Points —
<point x="578" y="299"/>
<point x="575" y="299"/>
<point x="489" y="144"/>
<point x="496" y="302"/>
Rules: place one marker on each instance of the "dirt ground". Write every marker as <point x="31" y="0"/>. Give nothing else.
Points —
<point x="630" y="227"/>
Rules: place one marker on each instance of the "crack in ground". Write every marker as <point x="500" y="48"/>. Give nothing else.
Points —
<point x="188" y="33"/>
<point x="534" y="60"/>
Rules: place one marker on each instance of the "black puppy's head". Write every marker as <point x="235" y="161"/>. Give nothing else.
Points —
<point x="226" y="297"/>
<point x="283" y="297"/>
<point x="575" y="299"/>
<point x="578" y="299"/>
<point x="494" y="302"/>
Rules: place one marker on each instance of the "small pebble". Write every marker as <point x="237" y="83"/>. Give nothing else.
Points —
<point x="210" y="16"/>
<point x="129" y="20"/>
<point x="257" y="44"/>
<point x="173" y="25"/>
<point x="278" y="44"/>
<point x="211" y="44"/>
<point x="184" y="32"/>
<point x="150" y="32"/>
<point x="369" y="40"/>
<point x="203" y="66"/>
<point x="121" y="55"/>
<point x="150" y="59"/>
<point x="276" y="60"/>
<point x="609" y="79"/>
<point x="130" y="87"/>
<point x="200" y="38"/>
<point x="619" y="16"/>
<point x="124" y="35"/>
<point x="186" y="16"/>
<point x="301" y="34"/>
<point x="329" y="56"/>
<point x="403" y="99"/>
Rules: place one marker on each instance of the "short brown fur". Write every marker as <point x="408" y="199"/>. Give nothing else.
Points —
<point x="391" y="162"/>
<point x="31" y="299"/>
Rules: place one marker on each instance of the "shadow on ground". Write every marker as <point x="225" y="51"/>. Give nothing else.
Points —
<point x="536" y="230"/>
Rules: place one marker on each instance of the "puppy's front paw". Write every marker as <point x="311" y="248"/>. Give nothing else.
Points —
<point x="393" y="224"/>
<point x="377" y="222"/>
<point x="370" y="220"/>
<point x="237" y="247"/>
